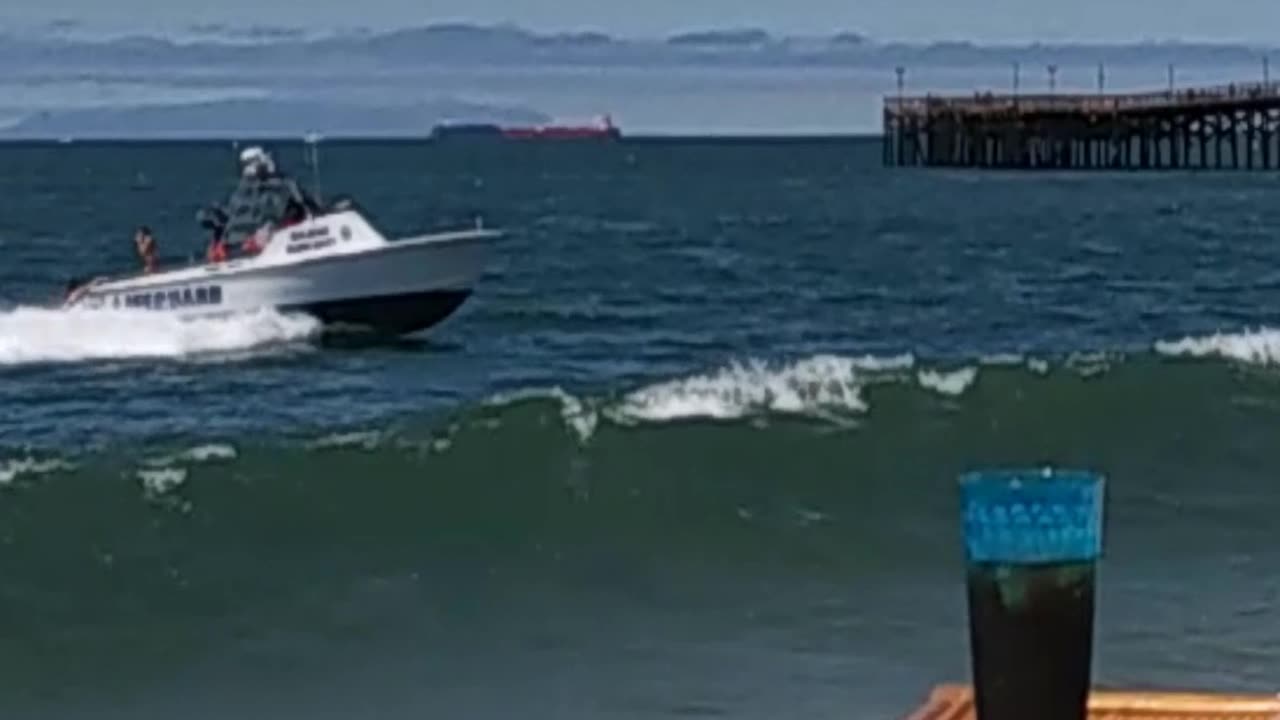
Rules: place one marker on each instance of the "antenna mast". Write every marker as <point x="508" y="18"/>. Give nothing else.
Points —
<point x="313" y="157"/>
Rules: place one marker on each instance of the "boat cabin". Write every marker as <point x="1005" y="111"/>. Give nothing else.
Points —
<point x="263" y="197"/>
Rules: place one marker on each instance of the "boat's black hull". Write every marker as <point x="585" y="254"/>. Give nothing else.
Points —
<point x="399" y="314"/>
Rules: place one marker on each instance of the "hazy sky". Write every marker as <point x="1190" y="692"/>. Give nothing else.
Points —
<point x="982" y="20"/>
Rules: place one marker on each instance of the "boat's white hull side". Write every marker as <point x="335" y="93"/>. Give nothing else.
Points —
<point x="339" y="275"/>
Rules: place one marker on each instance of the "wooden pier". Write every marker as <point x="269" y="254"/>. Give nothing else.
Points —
<point x="1231" y="127"/>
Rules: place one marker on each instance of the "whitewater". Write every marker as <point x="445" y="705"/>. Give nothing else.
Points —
<point x="829" y="390"/>
<point x="40" y="335"/>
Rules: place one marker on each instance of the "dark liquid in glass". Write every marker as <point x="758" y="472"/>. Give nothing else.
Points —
<point x="1031" y="640"/>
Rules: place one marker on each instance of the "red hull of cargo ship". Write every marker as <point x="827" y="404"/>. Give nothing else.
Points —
<point x="564" y="132"/>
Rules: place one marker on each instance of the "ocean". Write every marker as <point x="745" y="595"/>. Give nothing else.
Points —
<point x="689" y="451"/>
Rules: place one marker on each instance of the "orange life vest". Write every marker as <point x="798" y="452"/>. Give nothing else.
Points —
<point x="218" y="251"/>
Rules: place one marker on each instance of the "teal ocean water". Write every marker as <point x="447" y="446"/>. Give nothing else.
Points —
<point x="690" y="450"/>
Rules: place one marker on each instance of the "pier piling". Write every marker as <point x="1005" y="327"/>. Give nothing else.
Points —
<point x="1230" y="127"/>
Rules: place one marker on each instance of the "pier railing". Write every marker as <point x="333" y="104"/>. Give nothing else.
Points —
<point x="981" y="103"/>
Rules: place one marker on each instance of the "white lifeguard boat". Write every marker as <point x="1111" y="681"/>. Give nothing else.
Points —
<point x="328" y="263"/>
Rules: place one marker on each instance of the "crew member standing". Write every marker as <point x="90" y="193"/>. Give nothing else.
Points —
<point x="145" y="243"/>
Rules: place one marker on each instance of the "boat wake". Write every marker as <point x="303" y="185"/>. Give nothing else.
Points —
<point x="38" y="335"/>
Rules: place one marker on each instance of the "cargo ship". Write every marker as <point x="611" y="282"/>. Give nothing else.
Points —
<point x="604" y="130"/>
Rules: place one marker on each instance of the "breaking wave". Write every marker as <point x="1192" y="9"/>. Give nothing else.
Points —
<point x="37" y="335"/>
<point x="822" y="384"/>
<point x="14" y="468"/>
<point x="828" y="388"/>
<point x="1254" y="347"/>
<point x="832" y="385"/>
<point x="833" y="388"/>
<point x="1018" y="409"/>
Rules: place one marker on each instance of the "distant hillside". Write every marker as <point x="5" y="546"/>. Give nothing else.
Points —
<point x="723" y="39"/>
<point x="257" y="48"/>
<point x="258" y="118"/>
<point x="257" y="80"/>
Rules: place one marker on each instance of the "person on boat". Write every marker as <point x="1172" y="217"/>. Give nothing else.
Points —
<point x="254" y="242"/>
<point x="269" y="198"/>
<point x="214" y="220"/>
<point x="217" y="252"/>
<point x="145" y="243"/>
<point x="258" y="168"/>
<point x="295" y="211"/>
<point x="256" y="163"/>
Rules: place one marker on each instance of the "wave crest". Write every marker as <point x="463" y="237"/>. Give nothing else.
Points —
<point x="1256" y="347"/>
<point x="819" y="384"/>
<point x="14" y="468"/>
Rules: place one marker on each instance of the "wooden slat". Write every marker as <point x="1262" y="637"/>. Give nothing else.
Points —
<point x="955" y="702"/>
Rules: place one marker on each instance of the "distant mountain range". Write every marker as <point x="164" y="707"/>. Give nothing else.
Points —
<point x="260" y="47"/>
<point x="258" y="118"/>
<point x="221" y="81"/>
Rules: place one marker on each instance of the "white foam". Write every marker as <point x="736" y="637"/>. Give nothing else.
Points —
<point x="948" y="383"/>
<point x="1259" y="347"/>
<point x="577" y="415"/>
<point x="32" y="335"/>
<point x="163" y="480"/>
<point x="364" y="439"/>
<point x="207" y="453"/>
<point x="807" y="517"/>
<point x="1038" y="366"/>
<point x="198" y="454"/>
<point x="813" y="386"/>
<point x="12" y="469"/>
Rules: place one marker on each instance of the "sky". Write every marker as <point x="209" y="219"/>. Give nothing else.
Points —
<point x="1248" y="21"/>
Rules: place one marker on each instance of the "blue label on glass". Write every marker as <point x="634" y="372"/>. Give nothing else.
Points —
<point x="1032" y="516"/>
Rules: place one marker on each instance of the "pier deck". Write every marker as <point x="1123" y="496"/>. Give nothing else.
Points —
<point x="1226" y="127"/>
<point x="955" y="702"/>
